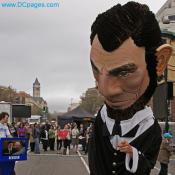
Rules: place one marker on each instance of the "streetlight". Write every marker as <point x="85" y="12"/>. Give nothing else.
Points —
<point x="167" y="103"/>
<point x="169" y="97"/>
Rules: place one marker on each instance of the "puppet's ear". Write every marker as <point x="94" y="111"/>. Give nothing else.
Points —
<point x="163" y="54"/>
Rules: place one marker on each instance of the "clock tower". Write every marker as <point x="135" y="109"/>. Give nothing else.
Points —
<point x="36" y="88"/>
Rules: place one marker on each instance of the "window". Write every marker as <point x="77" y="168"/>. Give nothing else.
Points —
<point x="171" y="18"/>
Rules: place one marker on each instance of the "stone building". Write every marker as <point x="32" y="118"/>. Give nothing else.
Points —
<point x="35" y="100"/>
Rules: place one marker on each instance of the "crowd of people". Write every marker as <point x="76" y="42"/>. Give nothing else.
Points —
<point x="53" y="137"/>
<point x="71" y="136"/>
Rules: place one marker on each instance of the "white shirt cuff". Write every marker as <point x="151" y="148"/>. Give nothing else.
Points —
<point x="135" y="159"/>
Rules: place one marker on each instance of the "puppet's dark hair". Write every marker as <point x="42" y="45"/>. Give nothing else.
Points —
<point x="119" y="23"/>
<point x="133" y="20"/>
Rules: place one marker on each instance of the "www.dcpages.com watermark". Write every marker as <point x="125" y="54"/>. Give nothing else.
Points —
<point x="29" y="4"/>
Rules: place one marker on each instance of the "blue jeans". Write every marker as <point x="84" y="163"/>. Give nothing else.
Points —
<point x="36" y="149"/>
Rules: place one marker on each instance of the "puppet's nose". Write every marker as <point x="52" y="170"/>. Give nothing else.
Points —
<point x="109" y="86"/>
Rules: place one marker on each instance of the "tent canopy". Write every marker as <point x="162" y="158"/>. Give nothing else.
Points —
<point x="77" y="114"/>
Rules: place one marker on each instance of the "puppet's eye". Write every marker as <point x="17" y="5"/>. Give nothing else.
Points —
<point x="124" y="74"/>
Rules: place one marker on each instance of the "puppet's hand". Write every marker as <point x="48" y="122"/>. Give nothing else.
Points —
<point x="125" y="147"/>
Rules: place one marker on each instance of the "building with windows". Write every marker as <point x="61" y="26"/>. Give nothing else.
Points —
<point x="36" y="101"/>
<point x="166" y="19"/>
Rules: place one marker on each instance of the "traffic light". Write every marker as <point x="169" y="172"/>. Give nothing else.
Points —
<point x="45" y="109"/>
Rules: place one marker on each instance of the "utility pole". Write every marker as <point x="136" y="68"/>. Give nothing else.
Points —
<point x="167" y="101"/>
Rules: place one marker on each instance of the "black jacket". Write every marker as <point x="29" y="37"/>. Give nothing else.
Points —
<point x="105" y="160"/>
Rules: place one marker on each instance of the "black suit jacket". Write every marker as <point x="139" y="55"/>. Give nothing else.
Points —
<point x="105" y="160"/>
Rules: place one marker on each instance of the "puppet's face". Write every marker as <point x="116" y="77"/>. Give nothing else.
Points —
<point x="121" y="75"/>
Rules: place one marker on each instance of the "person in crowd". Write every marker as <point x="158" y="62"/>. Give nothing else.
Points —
<point x="4" y="132"/>
<point x="88" y="136"/>
<point x="69" y="125"/>
<point x="44" y="137"/>
<point x="21" y="131"/>
<point x="82" y="137"/>
<point x="27" y="126"/>
<point x="127" y="56"/>
<point x="51" y="135"/>
<point x="31" y="137"/>
<point x="75" y="135"/>
<point x="36" y="136"/>
<point x="59" y="139"/>
<point x="47" y="125"/>
<point x="66" y="139"/>
<point x="165" y="152"/>
<point x="13" y="130"/>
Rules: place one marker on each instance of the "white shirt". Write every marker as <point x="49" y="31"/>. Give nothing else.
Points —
<point x="75" y="133"/>
<point x="143" y="118"/>
<point x="4" y="131"/>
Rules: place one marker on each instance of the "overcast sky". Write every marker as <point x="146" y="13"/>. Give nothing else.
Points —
<point x="53" y="45"/>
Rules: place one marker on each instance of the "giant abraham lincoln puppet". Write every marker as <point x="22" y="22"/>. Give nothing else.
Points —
<point x="127" y="56"/>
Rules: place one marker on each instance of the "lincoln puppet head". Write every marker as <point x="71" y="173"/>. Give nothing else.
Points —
<point x="127" y="56"/>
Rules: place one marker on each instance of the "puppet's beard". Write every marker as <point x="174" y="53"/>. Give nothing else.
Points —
<point x="124" y="114"/>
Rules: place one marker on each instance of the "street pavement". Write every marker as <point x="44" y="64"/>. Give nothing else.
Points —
<point x="171" y="169"/>
<point x="51" y="163"/>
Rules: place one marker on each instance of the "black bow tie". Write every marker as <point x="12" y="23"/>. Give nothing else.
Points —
<point x="117" y="130"/>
